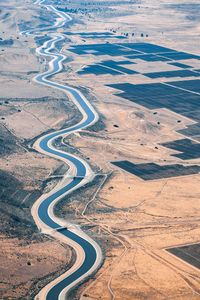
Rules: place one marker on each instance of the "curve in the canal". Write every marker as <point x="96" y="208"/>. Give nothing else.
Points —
<point x="44" y="215"/>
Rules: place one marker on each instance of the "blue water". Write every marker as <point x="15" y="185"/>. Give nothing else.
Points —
<point x="89" y="250"/>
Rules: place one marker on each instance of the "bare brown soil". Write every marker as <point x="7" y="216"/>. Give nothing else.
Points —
<point x="132" y="220"/>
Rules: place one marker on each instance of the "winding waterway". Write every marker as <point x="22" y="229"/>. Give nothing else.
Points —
<point x="88" y="253"/>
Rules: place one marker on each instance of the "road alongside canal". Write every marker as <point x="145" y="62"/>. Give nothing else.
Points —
<point x="88" y="253"/>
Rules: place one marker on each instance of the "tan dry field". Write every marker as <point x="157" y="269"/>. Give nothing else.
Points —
<point x="133" y="220"/>
<point x="22" y="265"/>
<point x="139" y="219"/>
<point x="27" y="110"/>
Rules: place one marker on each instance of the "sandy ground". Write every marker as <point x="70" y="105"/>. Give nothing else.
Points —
<point x="132" y="220"/>
<point x="24" y="263"/>
<point x="29" y="261"/>
<point x="137" y="220"/>
<point x="39" y="115"/>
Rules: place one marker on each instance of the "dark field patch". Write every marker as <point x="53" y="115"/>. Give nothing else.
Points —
<point x="96" y="35"/>
<point x="188" y="148"/>
<point x="180" y="65"/>
<point x="174" y="98"/>
<point x="148" y="57"/>
<point x="191" y="85"/>
<point x="118" y="67"/>
<point x="169" y="74"/>
<point x="120" y="49"/>
<point x="191" y="130"/>
<point x="180" y="56"/>
<point x="133" y="51"/>
<point x="181" y="97"/>
<point x="115" y="63"/>
<point x="194" y="115"/>
<point x="189" y="254"/>
<point x="145" y="51"/>
<point x="102" y="49"/>
<point x="151" y="171"/>
<point x="147" y="48"/>
<point x="108" y="67"/>
<point x="98" y="70"/>
<point x="6" y="43"/>
<point x="158" y="95"/>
